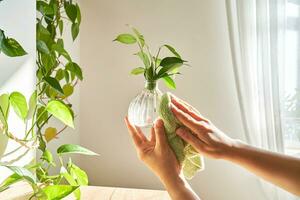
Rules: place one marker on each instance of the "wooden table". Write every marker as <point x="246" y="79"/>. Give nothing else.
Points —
<point x="22" y="191"/>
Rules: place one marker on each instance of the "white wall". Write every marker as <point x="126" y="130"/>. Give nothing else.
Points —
<point x="17" y="74"/>
<point x="198" y="29"/>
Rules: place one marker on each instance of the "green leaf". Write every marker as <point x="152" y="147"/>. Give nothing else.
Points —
<point x="42" y="143"/>
<point x="42" y="47"/>
<point x="57" y="192"/>
<point x="61" y="112"/>
<point x="137" y="71"/>
<point x="47" y="156"/>
<point x="143" y="56"/>
<point x="23" y="172"/>
<point x="50" y="134"/>
<point x="78" y="174"/>
<point x="139" y="36"/>
<point x="68" y="90"/>
<point x="61" y="51"/>
<point x="169" y="64"/>
<point x="42" y="115"/>
<point x="4" y="105"/>
<point x="126" y="38"/>
<point x="74" y="68"/>
<point x="74" y="149"/>
<point x="71" y="11"/>
<point x="60" y="42"/>
<point x="169" y="82"/>
<point x="53" y="83"/>
<point x="67" y="76"/>
<point x="78" y="14"/>
<point x="19" y="104"/>
<point x="42" y="33"/>
<point x="2" y="37"/>
<point x="32" y="105"/>
<point x="12" y="48"/>
<point x="14" y="178"/>
<point x="71" y="181"/>
<point x="157" y="61"/>
<point x="171" y="60"/>
<point x="172" y="50"/>
<point x="75" y="30"/>
<point x="48" y="61"/>
<point x="68" y="176"/>
<point x="149" y="74"/>
<point x="44" y="8"/>
<point x="61" y="26"/>
<point x="59" y="74"/>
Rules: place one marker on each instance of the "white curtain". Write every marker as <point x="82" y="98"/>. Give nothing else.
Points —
<point x="257" y="33"/>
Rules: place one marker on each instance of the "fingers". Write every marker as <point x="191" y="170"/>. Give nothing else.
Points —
<point x="152" y="136"/>
<point x="134" y="134"/>
<point x="186" y="135"/>
<point x="186" y="108"/>
<point x="185" y="119"/>
<point x="160" y="135"/>
<point x="140" y="133"/>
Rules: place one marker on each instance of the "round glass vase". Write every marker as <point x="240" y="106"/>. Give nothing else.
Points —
<point x="142" y="110"/>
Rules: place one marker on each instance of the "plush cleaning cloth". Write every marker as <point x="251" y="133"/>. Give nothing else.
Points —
<point x="187" y="156"/>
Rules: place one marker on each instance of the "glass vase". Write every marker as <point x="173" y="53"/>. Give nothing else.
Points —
<point x="143" y="108"/>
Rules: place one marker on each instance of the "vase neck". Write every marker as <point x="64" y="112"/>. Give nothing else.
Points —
<point x="151" y="85"/>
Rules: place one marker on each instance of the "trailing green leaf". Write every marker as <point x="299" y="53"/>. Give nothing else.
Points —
<point x="19" y="104"/>
<point x="74" y="68"/>
<point x="61" y="111"/>
<point x="12" y="48"/>
<point x="47" y="156"/>
<point x="42" y="47"/>
<point x="57" y="192"/>
<point x="4" y="107"/>
<point x="53" y="83"/>
<point x="32" y="105"/>
<point x="75" y="30"/>
<point x="12" y="179"/>
<point x="74" y="149"/>
<point x="71" y="11"/>
<point x="23" y="172"/>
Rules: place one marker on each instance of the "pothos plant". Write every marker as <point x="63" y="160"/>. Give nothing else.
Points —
<point x="57" y="75"/>
<point x="155" y="67"/>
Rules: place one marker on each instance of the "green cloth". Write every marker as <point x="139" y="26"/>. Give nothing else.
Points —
<point x="188" y="157"/>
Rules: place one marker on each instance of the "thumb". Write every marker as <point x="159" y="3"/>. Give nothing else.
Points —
<point x="160" y="133"/>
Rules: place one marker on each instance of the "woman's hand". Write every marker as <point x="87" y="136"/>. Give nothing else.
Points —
<point x="155" y="153"/>
<point x="279" y="169"/>
<point x="200" y="132"/>
<point x="160" y="158"/>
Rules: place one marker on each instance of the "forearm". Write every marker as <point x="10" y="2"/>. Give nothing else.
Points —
<point x="281" y="170"/>
<point x="178" y="188"/>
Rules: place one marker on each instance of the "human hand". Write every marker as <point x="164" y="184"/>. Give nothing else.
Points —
<point x="200" y="132"/>
<point x="155" y="152"/>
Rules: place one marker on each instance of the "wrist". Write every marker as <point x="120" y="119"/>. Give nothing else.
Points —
<point x="233" y="150"/>
<point x="173" y="180"/>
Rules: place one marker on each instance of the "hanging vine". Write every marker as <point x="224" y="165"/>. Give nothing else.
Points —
<point x="57" y="75"/>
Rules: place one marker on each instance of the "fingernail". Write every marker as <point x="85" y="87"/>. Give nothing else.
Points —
<point x="159" y="123"/>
